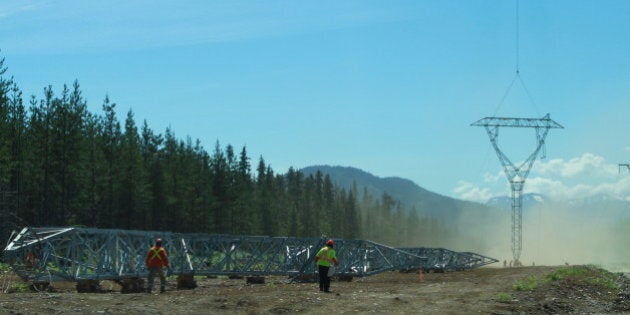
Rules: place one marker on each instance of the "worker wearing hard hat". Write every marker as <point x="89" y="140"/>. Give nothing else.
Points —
<point x="155" y="261"/>
<point x="325" y="258"/>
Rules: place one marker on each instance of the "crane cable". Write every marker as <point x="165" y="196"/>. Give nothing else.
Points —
<point x="518" y="71"/>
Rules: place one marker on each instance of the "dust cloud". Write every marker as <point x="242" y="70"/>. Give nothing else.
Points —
<point x="559" y="235"/>
<point x="552" y="235"/>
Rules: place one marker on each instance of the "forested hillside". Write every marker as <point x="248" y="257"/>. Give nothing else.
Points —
<point x="68" y="166"/>
<point x="410" y="195"/>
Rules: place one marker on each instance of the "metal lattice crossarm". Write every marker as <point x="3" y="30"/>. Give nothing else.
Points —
<point x="51" y="254"/>
<point x="544" y="122"/>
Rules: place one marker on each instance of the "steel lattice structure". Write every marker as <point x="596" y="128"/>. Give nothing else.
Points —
<point x="74" y="254"/>
<point x="441" y="259"/>
<point x="517" y="175"/>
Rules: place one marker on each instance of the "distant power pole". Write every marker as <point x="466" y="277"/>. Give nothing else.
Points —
<point x="516" y="175"/>
<point x="625" y="165"/>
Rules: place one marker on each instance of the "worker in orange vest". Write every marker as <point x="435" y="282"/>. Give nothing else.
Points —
<point x="324" y="259"/>
<point x="155" y="261"/>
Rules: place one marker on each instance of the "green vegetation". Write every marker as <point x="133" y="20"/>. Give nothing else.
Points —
<point x="567" y="272"/>
<point x="504" y="297"/>
<point x="71" y="167"/>
<point x="587" y="274"/>
<point x="528" y="284"/>
<point x="9" y="286"/>
<point x="4" y="268"/>
<point x="19" y="287"/>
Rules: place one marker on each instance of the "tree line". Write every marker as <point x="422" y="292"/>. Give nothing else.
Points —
<point x="71" y="167"/>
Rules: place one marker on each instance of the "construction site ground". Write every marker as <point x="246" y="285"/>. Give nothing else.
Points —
<point x="483" y="290"/>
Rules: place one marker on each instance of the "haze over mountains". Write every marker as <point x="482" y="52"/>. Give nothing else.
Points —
<point x="408" y="193"/>
<point x="411" y="195"/>
<point x="592" y="230"/>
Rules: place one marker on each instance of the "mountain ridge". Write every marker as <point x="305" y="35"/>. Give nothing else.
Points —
<point x="405" y="191"/>
<point x="428" y="203"/>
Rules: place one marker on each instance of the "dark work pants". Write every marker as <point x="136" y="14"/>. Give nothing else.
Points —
<point x="156" y="271"/>
<point x="324" y="279"/>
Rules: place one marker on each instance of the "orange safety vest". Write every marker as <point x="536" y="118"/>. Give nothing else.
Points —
<point x="156" y="257"/>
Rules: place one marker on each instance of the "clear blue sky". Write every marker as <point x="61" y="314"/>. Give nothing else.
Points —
<point x="390" y="87"/>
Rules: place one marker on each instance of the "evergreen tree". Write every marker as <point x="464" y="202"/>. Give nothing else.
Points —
<point x="74" y="167"/>
<point x="135" y="196"/>
<point x="18" y="133"/>
<point x="95" y="211"/>
<point x="294" y="196"/>
<point x="328" y="213"/>
<point x="244" y="196"/>
<point x="220" y="191"/>
<point x="67" y="155"/>
<point x="156" y="218"/>
<point x="111" y="134"/>
<point x="173" y="182"/>
<point x="39" y="183"/>
<point x="6" y="163"/>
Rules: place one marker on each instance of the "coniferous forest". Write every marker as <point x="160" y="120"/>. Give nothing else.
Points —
<point x="70" y="167"/>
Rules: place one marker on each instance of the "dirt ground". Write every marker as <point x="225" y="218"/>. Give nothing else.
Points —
<point x="484" y="290"/>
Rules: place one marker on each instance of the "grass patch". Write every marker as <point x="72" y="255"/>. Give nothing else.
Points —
<point x="9" y="283"/>
<point x="19" y="287"/>
<point x="568" y="272"/>
<point x="528" y="284"/>
<point x="4" y="268"/>
<point x="587" y="274"/>
<point x="504" y="297"/>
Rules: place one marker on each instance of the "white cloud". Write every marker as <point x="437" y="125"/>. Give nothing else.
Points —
<point x="470" y="191"/>
<point x="16" y="7"/>
<point x="556" y="189"/>
<point x="584" y="176"/>
<point x="493" y="178"/>
<point x="588" y="164"/>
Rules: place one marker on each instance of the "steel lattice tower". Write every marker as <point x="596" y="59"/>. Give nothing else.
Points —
<point x="517" y="175"/>
<point x="81" y="254"/>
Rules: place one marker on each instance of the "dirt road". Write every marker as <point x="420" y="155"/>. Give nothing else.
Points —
<point x="485" y="290"/>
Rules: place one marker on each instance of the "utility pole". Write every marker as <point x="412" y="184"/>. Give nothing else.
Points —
<point x="516" y="175"/>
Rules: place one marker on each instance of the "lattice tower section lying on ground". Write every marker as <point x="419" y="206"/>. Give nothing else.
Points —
<point x="69" y="253"/>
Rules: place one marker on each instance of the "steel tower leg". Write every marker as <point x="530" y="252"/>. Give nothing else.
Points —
<point x="517" y="220"/>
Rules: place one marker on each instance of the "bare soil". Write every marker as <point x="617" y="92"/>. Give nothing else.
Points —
<point x="484" y="290"/>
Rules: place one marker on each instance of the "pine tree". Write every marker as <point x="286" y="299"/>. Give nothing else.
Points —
<point x="68" y="159"/>
<point x="244" y="195"/>
<point x="155" y="218"/>
<point x="220" y="191"/>
<point x="6" y="163"/>
<point x="111" y="133"/>
<point x="135" y="196"/>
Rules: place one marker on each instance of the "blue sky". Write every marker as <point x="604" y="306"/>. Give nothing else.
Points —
<point x="390" y="87"/>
